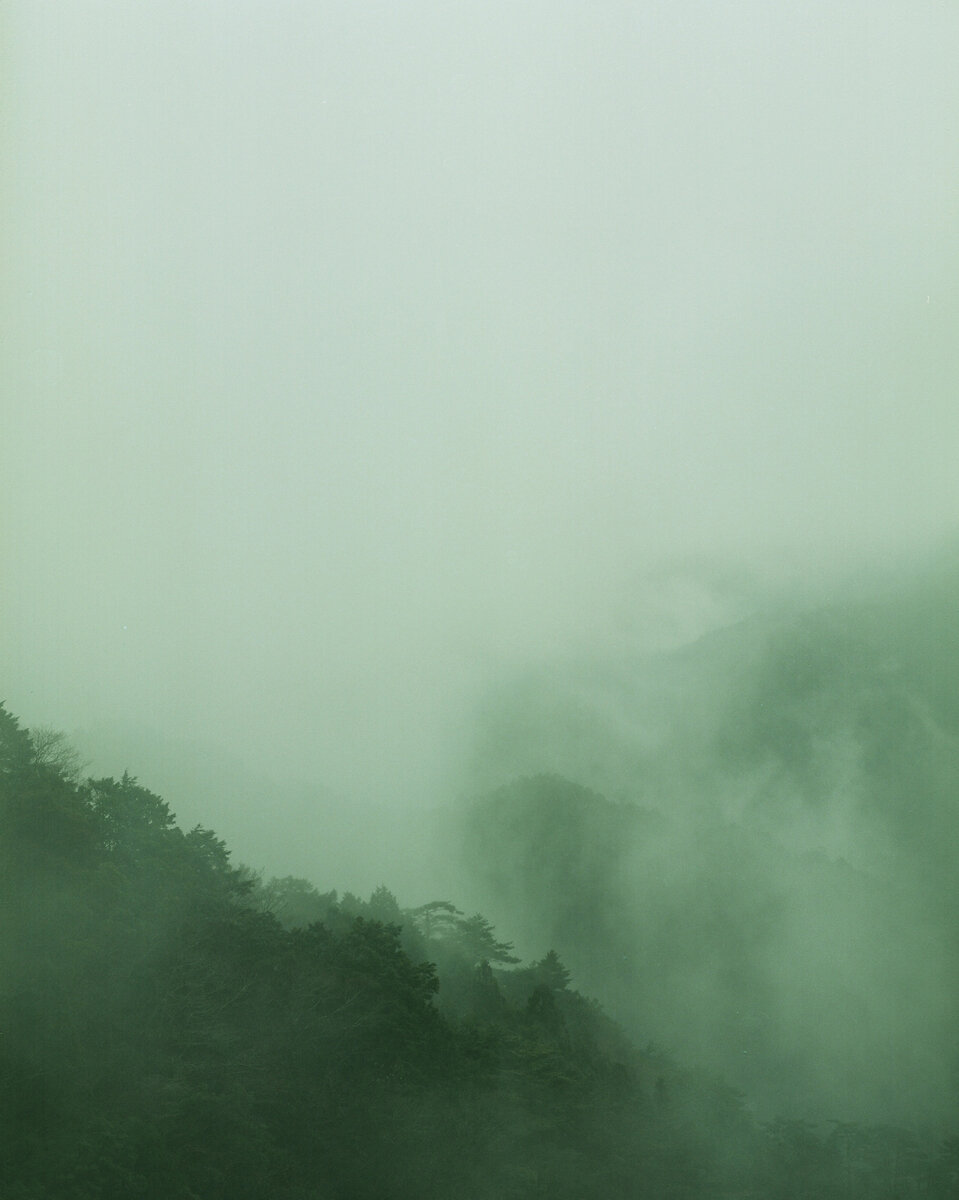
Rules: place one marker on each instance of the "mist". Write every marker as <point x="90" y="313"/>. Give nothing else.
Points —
<point x="355" y="354"/>
<point x="393" y="396"/>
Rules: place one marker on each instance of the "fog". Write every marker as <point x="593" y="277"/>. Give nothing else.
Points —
<point x="355" y="353"/>
<point x="392" y="396"/>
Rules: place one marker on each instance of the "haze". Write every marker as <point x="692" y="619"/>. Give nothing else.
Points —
<point x="358" y="353"/>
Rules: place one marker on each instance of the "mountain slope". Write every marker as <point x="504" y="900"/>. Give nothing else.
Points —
<point x="773" y="892"/>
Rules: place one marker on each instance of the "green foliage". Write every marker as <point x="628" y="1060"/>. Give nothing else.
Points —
<point x="294" y="902"/>
<point x="171" y="1028"/>
<point x="551" y="973"/>
<point x="16" y="746"/>
<point x="477" y="940"/>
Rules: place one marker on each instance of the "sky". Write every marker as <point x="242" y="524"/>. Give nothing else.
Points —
<point x="354" y="353"/>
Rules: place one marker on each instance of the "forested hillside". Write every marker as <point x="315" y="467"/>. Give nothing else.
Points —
<point x="747" y="845"/>
<point x="173" y="1026"/>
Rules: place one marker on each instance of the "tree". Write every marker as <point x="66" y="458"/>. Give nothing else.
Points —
<point x="294" y="902"/>
<point x="383" y="906"/>
<point x="133" y="820"/>
<point x="43" y="820"/>
<point x="551" y="973"/>
<point x="51" y="748"/>
<point x="476" y="938"/>
<point x="16" y="747"/>
<point x="435" y="919"/>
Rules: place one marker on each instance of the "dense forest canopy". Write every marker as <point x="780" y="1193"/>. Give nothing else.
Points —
<point x="478" y="491"/>
<point x="175" y="1026"/>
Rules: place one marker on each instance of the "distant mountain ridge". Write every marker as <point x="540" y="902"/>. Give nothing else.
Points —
<point x="773" y="892"/>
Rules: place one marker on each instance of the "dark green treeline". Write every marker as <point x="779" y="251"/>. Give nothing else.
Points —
<point x="171" y="1027"/>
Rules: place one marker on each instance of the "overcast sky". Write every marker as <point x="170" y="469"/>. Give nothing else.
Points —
<point x="353" y="351"/>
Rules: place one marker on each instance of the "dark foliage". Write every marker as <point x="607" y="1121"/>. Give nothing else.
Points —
<point x="172" y="1029"/>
